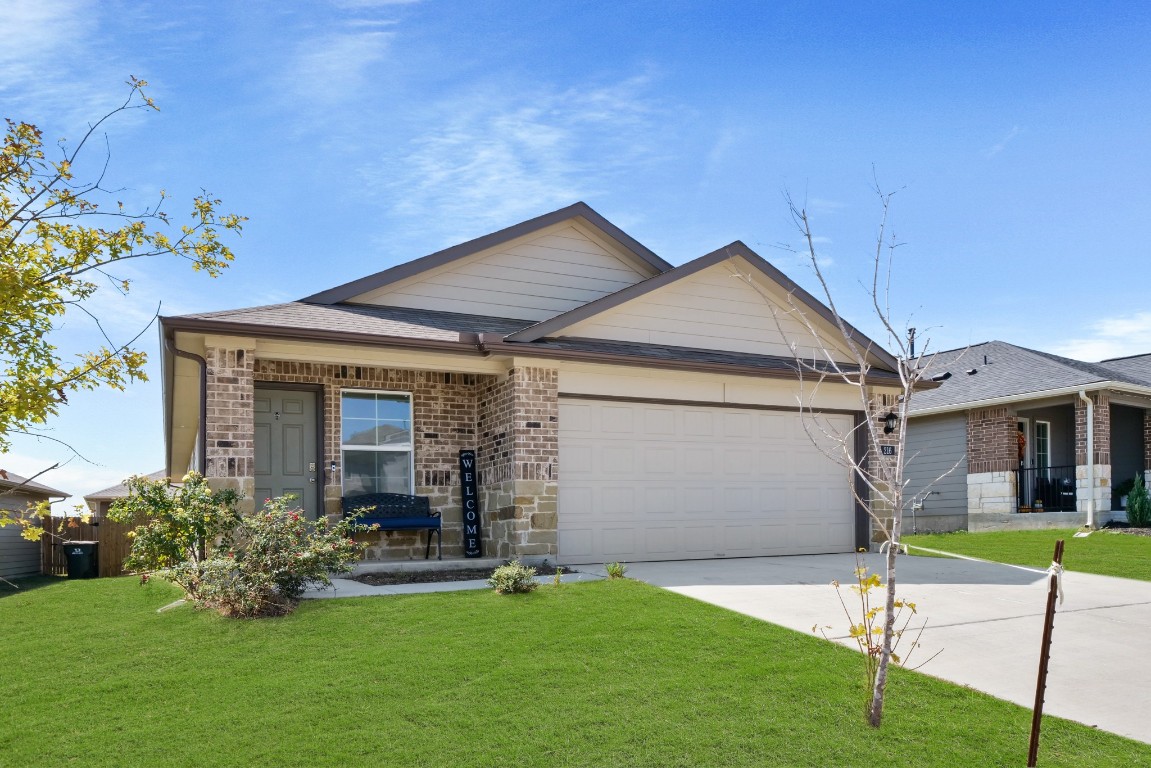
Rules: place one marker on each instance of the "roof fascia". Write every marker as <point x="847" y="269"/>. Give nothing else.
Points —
<point x="735" y="249"/>
<point x="440" y="258"/>
<point x="494" y="345"/>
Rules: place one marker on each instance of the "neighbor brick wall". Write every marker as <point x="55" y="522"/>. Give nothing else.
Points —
<point x="991" y="442"/>
<point x="1102" y="408"/>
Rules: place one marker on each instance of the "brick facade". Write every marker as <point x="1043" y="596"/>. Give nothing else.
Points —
<point x="992" y="445"/>
<point x="230" y="451"/>
<point x="511" y="421"/>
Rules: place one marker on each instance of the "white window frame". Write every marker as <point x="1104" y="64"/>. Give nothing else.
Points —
<point x="410" y="448"/>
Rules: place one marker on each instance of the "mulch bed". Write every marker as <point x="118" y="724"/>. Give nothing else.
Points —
<point x="1124" y="528"/>
<point x="389" y="578"/>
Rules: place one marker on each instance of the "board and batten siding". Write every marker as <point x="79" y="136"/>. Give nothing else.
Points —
<point x="533" y="278"/>
<point x="712" y="309"/>
<point x="18" y="557"/>
<point x="934" y="445"/>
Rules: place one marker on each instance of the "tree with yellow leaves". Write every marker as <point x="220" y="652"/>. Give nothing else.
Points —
<point x="61" y="239"/>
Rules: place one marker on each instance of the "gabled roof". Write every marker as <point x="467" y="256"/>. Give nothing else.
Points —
<point x="409" y="269"/>
<point x="998" y="371"/>
<point x="737" y="249"/>
<point x="11" y="480"/>
<point x="120" y="491"/>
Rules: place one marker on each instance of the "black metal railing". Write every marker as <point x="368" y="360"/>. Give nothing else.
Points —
<point x="1047" y="489"/>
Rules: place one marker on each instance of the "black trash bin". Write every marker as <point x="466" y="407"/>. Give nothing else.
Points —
<point x="83" y="559"/>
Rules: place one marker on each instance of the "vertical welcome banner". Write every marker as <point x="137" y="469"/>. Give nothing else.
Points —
<point x="471" y="502"/>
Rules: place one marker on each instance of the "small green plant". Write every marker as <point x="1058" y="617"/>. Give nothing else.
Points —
<point x="558" y="575"/>
<point x="513" y="577"/>
<point x="615" y="570"/>
<point x="1138" y="504"/>
<point x="867" y="632"/>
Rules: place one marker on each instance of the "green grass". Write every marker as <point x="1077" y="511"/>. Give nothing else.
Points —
<point x="1104" y="553"/>
<point x="612" y="673"/>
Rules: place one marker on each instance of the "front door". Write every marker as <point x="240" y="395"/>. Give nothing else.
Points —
<point x="286" y="460"/>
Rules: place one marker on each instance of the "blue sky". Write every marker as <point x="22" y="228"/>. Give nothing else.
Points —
<point x="356" y="134"/>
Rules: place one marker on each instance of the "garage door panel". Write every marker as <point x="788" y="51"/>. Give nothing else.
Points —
<point x="635" y="492"/>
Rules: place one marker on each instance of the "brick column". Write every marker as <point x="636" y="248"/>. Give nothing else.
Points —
<point x="992" y="461"/>
<point x="1146" y="448"/>
<point x="519" y="460"/>
<point x="879" y="466"/>
<point x="1098" y="465"/>
<point x="230" y="450"/>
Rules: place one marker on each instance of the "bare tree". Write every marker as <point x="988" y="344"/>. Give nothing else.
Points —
<point x="874" y="453"/>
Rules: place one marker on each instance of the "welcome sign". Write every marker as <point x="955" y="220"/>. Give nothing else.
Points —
<point x="471" y="502"/>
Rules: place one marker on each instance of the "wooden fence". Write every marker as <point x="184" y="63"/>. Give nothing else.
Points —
<point x="113" y="539"/>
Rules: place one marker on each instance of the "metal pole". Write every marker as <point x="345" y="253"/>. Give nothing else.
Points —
<point x="1044" y="657"/>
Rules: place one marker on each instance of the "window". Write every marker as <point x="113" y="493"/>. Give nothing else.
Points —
<point x="376" y="442"/>
<point x="1043" y="444"/>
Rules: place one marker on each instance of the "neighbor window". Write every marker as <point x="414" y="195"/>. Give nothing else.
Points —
<point x="376" y="442"/>
<point x="1042" y="444"/>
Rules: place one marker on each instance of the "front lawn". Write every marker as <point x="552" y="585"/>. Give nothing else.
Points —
<point x="1103" y="552"/>
<point x="613" y="673"/>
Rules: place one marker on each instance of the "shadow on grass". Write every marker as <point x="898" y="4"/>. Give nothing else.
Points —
<point x="23" y="584"/>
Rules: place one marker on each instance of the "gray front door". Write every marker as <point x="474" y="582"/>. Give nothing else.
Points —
<point x="286" y="460"/>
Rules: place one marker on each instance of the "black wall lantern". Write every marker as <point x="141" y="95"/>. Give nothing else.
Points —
<point x="889" y="422"/>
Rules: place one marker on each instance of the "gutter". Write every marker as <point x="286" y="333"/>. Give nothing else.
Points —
<point x="1090" y="458"/>
<point x="202" y="432"/>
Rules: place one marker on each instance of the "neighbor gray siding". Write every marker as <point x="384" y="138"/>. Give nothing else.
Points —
<point x="934" y="445"/>
<point x="18" y="557"/>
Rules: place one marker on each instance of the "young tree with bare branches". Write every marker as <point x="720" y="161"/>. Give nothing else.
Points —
<point x="876" y="472"/>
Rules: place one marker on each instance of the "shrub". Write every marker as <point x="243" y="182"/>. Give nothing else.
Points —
<point x="615" y="570"/>
<point x="240" y="565"/>
<point x="1139" y="504"/>
<point x="513" y="577"/>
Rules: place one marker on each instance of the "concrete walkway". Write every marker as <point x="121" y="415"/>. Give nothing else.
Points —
<point x="350" y="588"/>
<point x="986" y="619"/>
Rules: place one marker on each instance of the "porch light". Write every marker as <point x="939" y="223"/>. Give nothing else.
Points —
<point x="889" y="422"/>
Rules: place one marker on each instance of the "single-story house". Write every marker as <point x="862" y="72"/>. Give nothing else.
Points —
<point x="18" y="556"/>
<point x="621" y="408"/>
<point x="100" y="501"/>
<point x="1027" y="432"/>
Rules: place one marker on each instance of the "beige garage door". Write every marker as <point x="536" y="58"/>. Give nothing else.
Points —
<point x="642" y="481"/>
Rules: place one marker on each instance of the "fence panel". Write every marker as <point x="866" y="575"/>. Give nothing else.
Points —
<point x="112" y="537"/>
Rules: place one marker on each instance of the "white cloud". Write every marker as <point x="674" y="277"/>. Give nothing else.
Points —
<point x="491" y="158"/>
<point x="1110" y="337"/>
<point x="333" y="67"/>
<point x="1002" y="143"/>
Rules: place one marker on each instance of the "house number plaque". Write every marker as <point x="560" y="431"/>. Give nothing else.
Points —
<point x="471" y="503"/>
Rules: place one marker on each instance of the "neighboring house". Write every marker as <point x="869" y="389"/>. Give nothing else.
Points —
<point x="621" y="409"/>
<point x="1027" y="432"/>
<point x="100" y="501"/>
<point x="18" y="556"/>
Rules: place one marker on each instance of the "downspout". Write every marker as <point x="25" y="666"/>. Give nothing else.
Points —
<point x="1090" y="457"/>
<point x="202" y="432"/>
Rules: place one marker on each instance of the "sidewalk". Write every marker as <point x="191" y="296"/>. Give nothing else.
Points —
<point x="350" y="588"/>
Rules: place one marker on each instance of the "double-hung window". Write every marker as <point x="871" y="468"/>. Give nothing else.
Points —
<point x="376" y="442"/>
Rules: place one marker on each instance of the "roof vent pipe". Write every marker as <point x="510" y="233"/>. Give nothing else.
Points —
<point x="1090" y="457"/>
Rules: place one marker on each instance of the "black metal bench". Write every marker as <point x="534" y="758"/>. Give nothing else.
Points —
<point x="396" y="512"/>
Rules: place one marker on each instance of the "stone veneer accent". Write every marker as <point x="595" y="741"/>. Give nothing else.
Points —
<point x="881" y="510"/>
<point x="991" y="493"/>
<point x="518" y="426"/>
<point x="992" y="446"/>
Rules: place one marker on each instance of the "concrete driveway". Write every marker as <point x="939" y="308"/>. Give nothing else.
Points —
<point x="986" y="619"/>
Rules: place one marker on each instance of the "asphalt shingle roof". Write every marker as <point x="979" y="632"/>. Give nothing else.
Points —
<point x="13" y="480"/>
<point x="363" y="319"/>
<point x="1005" y="370"/>
<point x="121" y="491"/>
